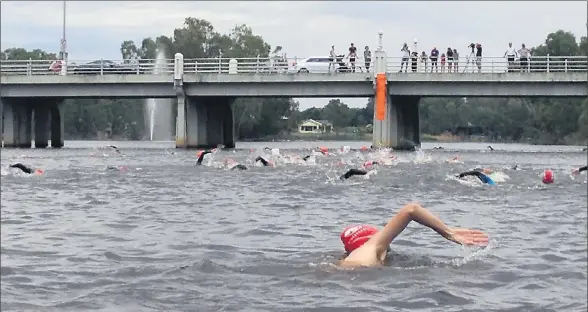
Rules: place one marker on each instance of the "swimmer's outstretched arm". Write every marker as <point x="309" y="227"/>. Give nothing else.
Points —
<point x="415" y="212"/>
<point x="351" y="173"/>
<point x="23" y="168"/>
<point x="472" y="173"/>
<point x="201" y="157"/>
<point x="263" y="161"/>
<point x="582" y="168"/>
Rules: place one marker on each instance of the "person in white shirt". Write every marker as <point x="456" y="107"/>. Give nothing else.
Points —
<point x="524" y="56"/>
<point x="332" y="58"/>
<point x="405" y="57"/>
<point x="510" y="55"/>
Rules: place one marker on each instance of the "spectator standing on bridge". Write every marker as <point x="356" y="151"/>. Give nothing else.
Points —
<point x="524" y="55"/>
<point x="405" y="57"/>
<point x="367" y="57"/>
<point x="449" y="59"/>
<point x="455" y="60"/>
<point x="414" y="58"/>
<point x="434" y="57"/>
<point x="332" y="58"/>
<point x="510" y="55"/>
<point x="443" y="62"/>
<point x="352" y="55"/>
<point x="479" y="57"/>
<point x="425" y="59"/>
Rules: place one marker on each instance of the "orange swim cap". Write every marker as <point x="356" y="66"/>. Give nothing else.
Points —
<point x="39" y="171"/>
<point x="355" y="236"/>
<point x="547" y="176"/>
<point x="363" y="148"/>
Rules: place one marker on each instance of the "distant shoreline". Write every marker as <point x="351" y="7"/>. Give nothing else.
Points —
<point x="353" y="137"/>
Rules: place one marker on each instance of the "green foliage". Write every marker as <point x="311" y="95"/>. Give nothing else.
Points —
<point x="548" y="121"/>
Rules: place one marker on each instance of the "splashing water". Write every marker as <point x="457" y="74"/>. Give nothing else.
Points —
<point x="158" y="112"/>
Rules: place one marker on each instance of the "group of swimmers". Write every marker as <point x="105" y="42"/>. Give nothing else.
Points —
<point x="366" y="245"/>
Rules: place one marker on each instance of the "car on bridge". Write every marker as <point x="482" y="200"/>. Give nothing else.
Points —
<point x="320" y="64"/>
<point x="103" y="66"/>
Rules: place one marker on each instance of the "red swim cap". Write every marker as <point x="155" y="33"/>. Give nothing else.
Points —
<point x="355" y="236"/>
<point x="547" y="176"/>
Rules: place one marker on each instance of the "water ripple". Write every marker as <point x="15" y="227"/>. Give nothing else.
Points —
<point x="170" y="236"/>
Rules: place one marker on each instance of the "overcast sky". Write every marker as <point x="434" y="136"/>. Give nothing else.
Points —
<point x="95" y="29"/>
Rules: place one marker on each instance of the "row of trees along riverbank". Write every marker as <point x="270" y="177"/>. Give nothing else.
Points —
<point x="537" y="120"/>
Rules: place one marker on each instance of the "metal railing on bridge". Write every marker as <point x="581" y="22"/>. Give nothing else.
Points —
<point x="313" y="65"/>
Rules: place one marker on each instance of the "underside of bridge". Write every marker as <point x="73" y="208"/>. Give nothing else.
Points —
<point x="18" y="116"/>
<point x="205" y="122"/>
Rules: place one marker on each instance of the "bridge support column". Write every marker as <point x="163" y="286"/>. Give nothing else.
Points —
<point x="41" y="125"/>
<point x="181" y="123"/>
<point x="17" y="124"/>
<point x="208" y="122"/>
<point x="400" y="128"/>
<point x="56" y="125"/>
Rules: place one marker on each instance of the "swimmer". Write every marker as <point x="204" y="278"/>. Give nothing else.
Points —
<point x="265" y="162"/>
<point x="233" y="165"/>
<point x="202" y="154"/>
<point x="438" y="148"/>
<point x="306" y="158"/>
<point x="370" y="163"/>
<point x="26" y="169"/>
<point x="121" y="168"/>
<point x="579" y="170"/>
<point x="515" y="167"/>
<point x="353" y="172"/>
<point x="115" y="148"/>
<point x="490" y="148"/>
<point x="478" y="173"/>
<point x="365" y="245"/>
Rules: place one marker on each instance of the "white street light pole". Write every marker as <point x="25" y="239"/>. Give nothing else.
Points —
<point x="63" y="38"/>
<point x="63" y="52"/>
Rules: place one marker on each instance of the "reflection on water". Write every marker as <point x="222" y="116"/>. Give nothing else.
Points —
<point x="166" y="235"/>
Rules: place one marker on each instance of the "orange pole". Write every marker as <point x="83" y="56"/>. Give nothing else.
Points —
<point x="381" y="97"/>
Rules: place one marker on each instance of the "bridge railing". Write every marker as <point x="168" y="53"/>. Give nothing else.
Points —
<point x="488" y="65"/>
<point x="86" y="67"/>
<point x="293" y="66"/>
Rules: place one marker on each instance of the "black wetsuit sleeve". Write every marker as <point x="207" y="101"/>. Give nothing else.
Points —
<point x="352" y="172"/>
<point x="305" y="158"/>
<point x="472" y="173"/>
<point x="263" y="161"/>
<point x="583" y="168"/>
<point x="239" y="167"/>
<point x="201" y="157"/>
<point x="23" y="168"/>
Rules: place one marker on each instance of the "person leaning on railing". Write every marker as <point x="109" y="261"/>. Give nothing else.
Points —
<point x="524" y="56"/>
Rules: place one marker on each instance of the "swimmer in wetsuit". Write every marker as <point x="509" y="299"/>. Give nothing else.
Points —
<point x="365" y="245"/>
<point x="26" y="169"/>
<point x="264" y="162"/>
<point x="201" y="156"/>
<point x="233" y="165"/>
<point x="477" y="173"/>
<point x="353" y="172"/>
<point x="579" y="170"/>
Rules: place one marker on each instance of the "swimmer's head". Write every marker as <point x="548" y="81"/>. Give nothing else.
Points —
<point x="355" y="236"/>
<point x="547" y="176"/>
<point x="39" y="171"/>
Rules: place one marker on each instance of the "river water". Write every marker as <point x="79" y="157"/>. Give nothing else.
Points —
<point x="166" y="235"/>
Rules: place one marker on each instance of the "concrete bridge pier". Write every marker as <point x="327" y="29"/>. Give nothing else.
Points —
<point x="57" y="128"/>
<point x="41" y="114"/>
<point x="17" y="123"/>
<point x="396" y="118"/>
<point x="205" y="122"/>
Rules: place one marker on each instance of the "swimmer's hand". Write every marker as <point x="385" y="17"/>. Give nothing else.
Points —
<point x="575" y="172"/>
<point x="468" y="237"/>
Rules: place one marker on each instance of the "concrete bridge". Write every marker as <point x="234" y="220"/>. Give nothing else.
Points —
<point x="204" y="96"/>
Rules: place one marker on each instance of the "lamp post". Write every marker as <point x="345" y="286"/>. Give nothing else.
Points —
<point x="63" y="50"/>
